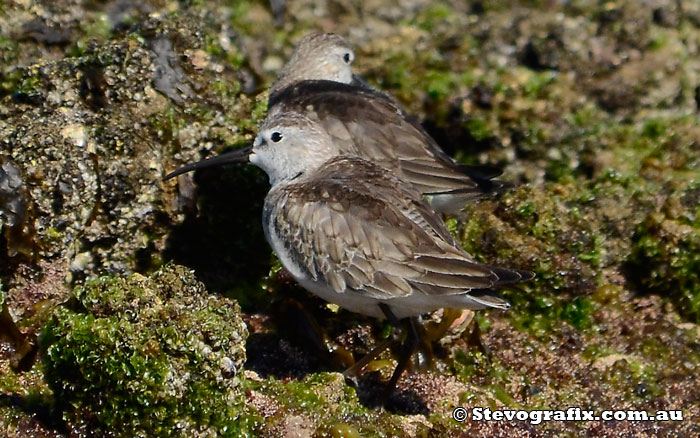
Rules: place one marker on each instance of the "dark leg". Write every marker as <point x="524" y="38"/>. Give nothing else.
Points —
<point x="352" y="372"/>
<point x="386" y="310"/>
<point x="301" y="324"/>
<point x="413" y="331"/>
<point x="409" y="347"/>
<point x="476" y="340"/>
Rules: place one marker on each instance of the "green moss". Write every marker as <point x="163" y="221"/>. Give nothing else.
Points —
<point x="22" y="394"/>
<point x="654" y="128"/>
<point x="9" y="82"/>
<point x="29" y="85"/>
<point x="470" y="364"/>
<point x="665" y="258"/>
<point x="503" y="396"/>
<point x="439" y="84"/>
<point x="631" y="378"/>
<point x="536" y="82"/>
<point x="492" y="376"/>
<point x="478" y="129"/>
<point x="97" y="29"/>
<point x="594" y="351"/>
<point x="9" y="50"/>
<point x="153" y="356"/>
<point x="541" y="315"/>
<point x="570" y="231"/>
<point x="258" y="111"/>
<point x="239" y="16"/>
<point x="588" y="116"/>
<point x="434" y="15"/>
<point x="578" y="312"/>
<point x="233" y="57"/>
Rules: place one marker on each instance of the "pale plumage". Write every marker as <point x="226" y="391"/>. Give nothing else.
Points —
<point x="356" y="235"/>
<point x="363" y="123"/>
<point x="318" y="82"/>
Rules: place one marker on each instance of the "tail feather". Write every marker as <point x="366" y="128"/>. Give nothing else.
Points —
<point x="510" y="276"/>
<point x="480" y="171"/>
<point x="487" y="298"/>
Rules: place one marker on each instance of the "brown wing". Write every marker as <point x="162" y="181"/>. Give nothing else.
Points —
<point x="357" y="227"/>
<point x="369" y="124"/>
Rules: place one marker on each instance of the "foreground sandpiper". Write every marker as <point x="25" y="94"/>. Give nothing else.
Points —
<point x="355" y="234"/>
<point x="318" y="82"/>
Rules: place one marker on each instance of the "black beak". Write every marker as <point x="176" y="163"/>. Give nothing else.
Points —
<point x="235" y="156"/>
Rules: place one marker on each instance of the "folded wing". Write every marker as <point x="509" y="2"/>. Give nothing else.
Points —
<point x="372" y="125"/>
<point x="361" y="230"/>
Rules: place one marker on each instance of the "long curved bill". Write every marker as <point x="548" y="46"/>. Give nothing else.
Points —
<point x="235" y="156"/>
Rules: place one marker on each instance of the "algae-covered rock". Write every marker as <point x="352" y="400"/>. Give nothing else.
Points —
<point x="148" y="357"/>
<point x="666" y="253"/>
<point x="590" y="107"/>
<point x="320" y="406"/>
<point x="89" y="130"/>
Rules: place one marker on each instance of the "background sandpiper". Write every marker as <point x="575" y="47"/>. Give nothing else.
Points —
<point x="371" y="124"/>
<point x="317" y="56"/>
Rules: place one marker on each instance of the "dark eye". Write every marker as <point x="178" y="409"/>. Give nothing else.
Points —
<point x="276" y="136"/>
<point x="346" y="58"/>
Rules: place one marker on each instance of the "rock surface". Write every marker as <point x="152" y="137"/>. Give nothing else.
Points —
<point x="590" y="107"/>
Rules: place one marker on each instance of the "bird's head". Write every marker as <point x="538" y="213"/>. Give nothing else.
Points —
<point x="318" y="56"/>
<point x="290" y="144"/>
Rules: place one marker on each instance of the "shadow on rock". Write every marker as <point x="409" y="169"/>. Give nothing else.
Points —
<point x="271" y="356"/>
<point x="221" y="238"/>
<point x="371" y="389"/>
<point x="41" y="409"/>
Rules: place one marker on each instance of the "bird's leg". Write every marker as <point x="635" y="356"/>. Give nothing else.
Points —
<point x="386" y="310"/>
<point x="303" y="325"/>
<point x="474" y="338"/>
<point x="425" y="353"/>
<point x="353" y="372"/>
<point x="409" y="347"/>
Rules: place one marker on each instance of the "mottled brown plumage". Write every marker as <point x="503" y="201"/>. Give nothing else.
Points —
<point x="356" y="234"/>
<point x="367" y="124"/>
<point x="354" y="228"/>
<point x="318" y="81"/>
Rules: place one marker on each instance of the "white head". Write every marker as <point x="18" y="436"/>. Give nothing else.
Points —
<point x="320" y="56"/>
<point x="290" y="144"/>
